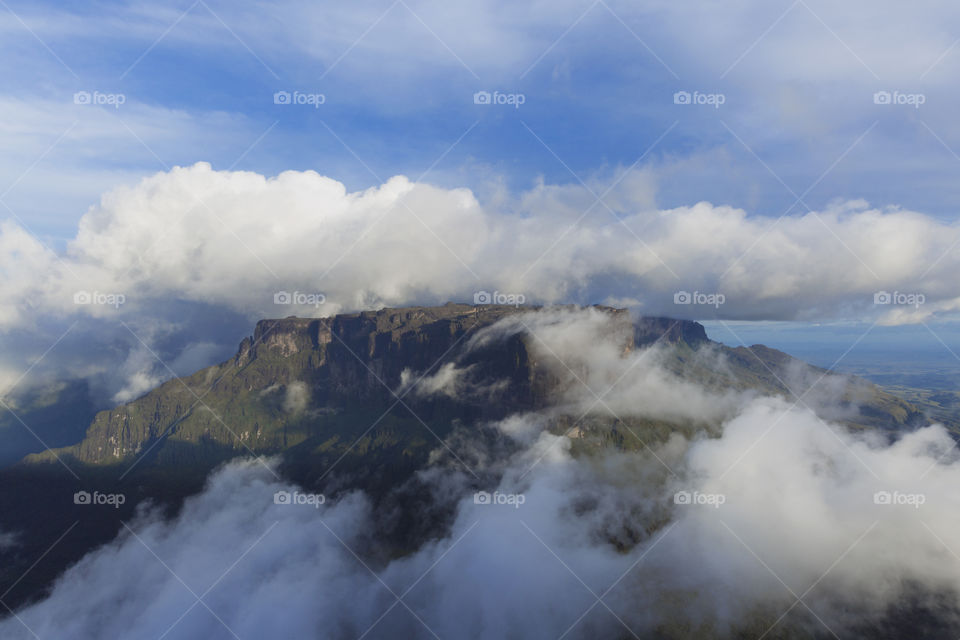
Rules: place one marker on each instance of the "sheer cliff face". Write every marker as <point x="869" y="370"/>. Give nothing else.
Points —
<point x="312" y="386"/>
<point x="412" y="336"/>
<point x="362" y="357"/>
<point x="346" y="365"/>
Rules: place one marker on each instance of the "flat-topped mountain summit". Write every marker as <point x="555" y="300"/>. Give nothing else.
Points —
<point x="314" y="385"/>
<point x="418" y="325"/>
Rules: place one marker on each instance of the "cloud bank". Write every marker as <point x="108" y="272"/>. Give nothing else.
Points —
<point x="235" y="238"/>
<point x="193" y="251"/>
<point x="782" y="523"/>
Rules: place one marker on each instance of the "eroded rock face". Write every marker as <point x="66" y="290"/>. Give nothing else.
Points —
<point x="286" y="336"/>
<point x="344" y="371"/>
<point x="344" y="363"/>
<point x="650" y="330"/>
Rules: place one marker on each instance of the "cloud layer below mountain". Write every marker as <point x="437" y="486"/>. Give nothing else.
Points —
<point x="783" y="521"/>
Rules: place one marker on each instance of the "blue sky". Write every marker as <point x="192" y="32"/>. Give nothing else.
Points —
<point x="598" y="80"/>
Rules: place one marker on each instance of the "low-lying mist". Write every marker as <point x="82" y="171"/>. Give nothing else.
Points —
<point x="762" y="520"/>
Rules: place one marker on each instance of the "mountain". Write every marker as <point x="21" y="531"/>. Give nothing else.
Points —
<point x="340" y="400"/>
<point x="307" y="385"/>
